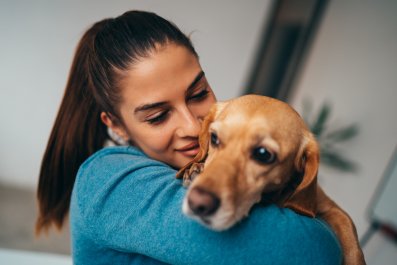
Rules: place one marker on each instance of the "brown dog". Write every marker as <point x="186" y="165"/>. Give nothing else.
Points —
<point x="254" y="148"/>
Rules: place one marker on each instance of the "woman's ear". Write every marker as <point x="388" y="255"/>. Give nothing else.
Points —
<point x="116" y="127"/>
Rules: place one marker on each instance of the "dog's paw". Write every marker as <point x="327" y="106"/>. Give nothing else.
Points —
<point x="192" y="172"/>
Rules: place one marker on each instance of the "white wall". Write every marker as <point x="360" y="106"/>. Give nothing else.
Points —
<point x="353" y="64"/>
<point x="37" y="44"/>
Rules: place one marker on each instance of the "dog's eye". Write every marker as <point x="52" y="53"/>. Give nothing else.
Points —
<point x="214" y="139"/>
<point x="262" y="155"/>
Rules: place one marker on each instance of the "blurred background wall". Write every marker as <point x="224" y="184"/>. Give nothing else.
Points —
<point x="38" y="39"/>
<point x="353" y="65"/>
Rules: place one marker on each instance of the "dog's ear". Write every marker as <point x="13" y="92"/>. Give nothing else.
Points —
<point x="303" y="199"/>
<point x="203" y="138"/>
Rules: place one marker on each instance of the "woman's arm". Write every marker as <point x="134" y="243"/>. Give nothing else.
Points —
<point x="133" y="204"/>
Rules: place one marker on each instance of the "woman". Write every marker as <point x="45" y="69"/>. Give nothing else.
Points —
<point x="139" y="76"/>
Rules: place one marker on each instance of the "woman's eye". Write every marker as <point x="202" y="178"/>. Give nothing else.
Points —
<point x="201" y="95"/>
<point x="158" y="118"/>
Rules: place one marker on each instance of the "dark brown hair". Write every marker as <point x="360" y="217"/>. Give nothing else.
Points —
<point x="109" y="48"/>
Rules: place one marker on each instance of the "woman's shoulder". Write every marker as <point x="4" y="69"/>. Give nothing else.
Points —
<point x="112" y="170"/>
<point x="111" y="161"/>
<point x="118" y="155"/>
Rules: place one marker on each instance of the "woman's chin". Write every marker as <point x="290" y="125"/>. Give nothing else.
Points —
<point x="181" y="161"/>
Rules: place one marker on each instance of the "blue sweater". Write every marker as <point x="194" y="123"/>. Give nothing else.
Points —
<point x="126" y="209"/>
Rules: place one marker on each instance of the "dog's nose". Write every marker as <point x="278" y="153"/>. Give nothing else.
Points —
<point x="202" y="202"/>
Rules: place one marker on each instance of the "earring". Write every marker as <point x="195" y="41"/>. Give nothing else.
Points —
<point x="117" y="139"/>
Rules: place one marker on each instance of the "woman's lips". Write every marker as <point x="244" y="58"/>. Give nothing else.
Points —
<point x="190" y="149"/>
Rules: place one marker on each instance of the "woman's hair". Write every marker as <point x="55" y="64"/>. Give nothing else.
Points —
<point x="106" y="51"/>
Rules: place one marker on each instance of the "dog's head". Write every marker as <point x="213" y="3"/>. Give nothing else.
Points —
<point x="251" y="146"/>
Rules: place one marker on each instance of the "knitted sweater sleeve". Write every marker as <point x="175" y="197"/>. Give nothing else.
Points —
<point x="130" y="203"/>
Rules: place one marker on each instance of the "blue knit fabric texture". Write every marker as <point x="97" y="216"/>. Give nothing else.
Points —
<point x="127" y="209"/>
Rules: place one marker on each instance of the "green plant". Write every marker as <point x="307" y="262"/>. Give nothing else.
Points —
<point x="329" y="139"/>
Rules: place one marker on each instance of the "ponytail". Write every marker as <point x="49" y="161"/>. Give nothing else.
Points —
<point x="108" y="48"/>
<point x="77" y="133"/>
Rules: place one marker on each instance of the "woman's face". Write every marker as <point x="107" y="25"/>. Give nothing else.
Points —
<point x="165" y="96"/>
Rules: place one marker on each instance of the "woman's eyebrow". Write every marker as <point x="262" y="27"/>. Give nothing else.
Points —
<point x="195" y="81"/>
<point x="160" y="104"/>
<point x="149" y="106"/>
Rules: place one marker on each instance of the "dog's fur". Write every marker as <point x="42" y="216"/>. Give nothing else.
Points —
<point x="231" y="173"/>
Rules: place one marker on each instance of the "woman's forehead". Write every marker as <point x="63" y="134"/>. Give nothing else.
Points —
<point x="165" y="71"/>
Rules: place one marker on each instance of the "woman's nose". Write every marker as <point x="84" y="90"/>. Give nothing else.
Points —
<point x="189" y="124"/>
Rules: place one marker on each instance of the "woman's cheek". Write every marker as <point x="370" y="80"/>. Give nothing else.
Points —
<point x="203" y="109"/>
<point x="160" y="139"/>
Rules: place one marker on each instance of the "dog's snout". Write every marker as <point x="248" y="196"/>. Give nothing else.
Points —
<point x="203" y="203"/>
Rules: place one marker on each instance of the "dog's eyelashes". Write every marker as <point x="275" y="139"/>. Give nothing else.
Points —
<point x="262" y="155"/>
<point x="214" y="139"/>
